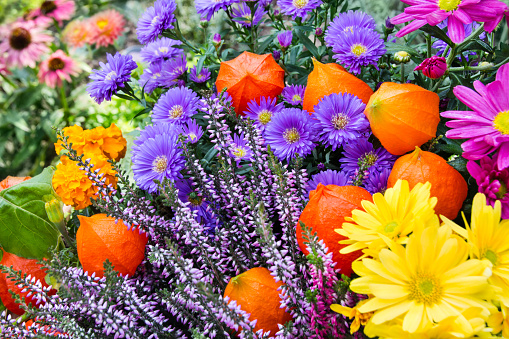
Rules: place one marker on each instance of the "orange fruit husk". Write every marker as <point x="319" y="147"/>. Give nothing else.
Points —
<point x="331" y="78"/>
<point x="28" y="266"/>
<point x="447" y="184"/>
<point x="257" y="293"/>
<point x="326" y="211"/>
<point x="100" y="238"/>
<point x="11" y="181"/>
<point x="249" y="77"/>
<point x="403" y="116"/>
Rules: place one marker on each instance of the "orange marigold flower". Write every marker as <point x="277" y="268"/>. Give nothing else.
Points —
<point x="76" y="33"/>
<point x="106" y="27"/>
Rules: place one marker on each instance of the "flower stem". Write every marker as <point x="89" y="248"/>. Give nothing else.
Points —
<point x="65" y="106"/>
<point x="402" y="71"/>
<point x="428" y="40"/>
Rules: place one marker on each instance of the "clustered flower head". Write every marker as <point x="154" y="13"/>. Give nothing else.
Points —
<point x="59" y="10"/>
<point x="176" y="106"/>
<point x="155" y="20"/>
<point x="294" y="94"/>
<point x="298" y="8"/>
<point x="105" y="27"/>
<point x="56" y="68"/>
<point x="262" y="113"/>
<point x="161" y="49"/>
<point x="242" y="14"/>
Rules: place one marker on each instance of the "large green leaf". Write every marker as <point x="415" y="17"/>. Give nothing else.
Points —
<point x="24" y="226"/>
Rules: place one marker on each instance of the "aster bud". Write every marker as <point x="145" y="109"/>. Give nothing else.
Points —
<point x="54" y="210"/>
<point x="217" y="40"/>
<point x="389" y="26"/>
<point x="285" y="39"/>
<point x="401" y="57"/>
<point x="276" y="54"/>
<point x="204" y="23"/>
<point x="319" y="31"/>
<point x="433" y="67"/>
<point x="320" y="166"/>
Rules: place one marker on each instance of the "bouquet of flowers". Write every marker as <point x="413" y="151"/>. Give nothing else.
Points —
<point x="306" y="173"/>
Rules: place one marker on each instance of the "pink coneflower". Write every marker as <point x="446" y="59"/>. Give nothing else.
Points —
<point x="56" y="68"/>
<point x="76" y="33"/>
<point x="59" y="10"/>
<point x="458" y="12"/>
<point x="23" y="44"/>
<point x="105" y="27"/>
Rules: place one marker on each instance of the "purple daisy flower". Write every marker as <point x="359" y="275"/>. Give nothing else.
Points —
<point x="487" y="126"/>
<point x="173" y="70"/>
<point x="328" y="177"/>
<point x="193" y="131"/>
<point x="285" y="39"/>
<point x="202" y="77"/>
<point x="376" y="181"/>
<point x="348" y="23"/>
<point x="155" y="20"/>
<point x="298" y="8"/>
<point x="110" y="77"/>
<point x="363" y="152"/>
<point x="293" y="94"/>
<point x="291" y="132"/>
<point x="341" y="119"/>
<point x="160" y="50"/>
<point x="263" y="113"/>
<point x="207" y="8"/>
<point x="242" y="15"/>
<point x="492" y="181"/>
<point x="239" y="149"/>
<point x="150" y="79"/>
<point x="175" y="106"/>
<point x="363" y="47"/>
<point x="187" y="193"/>
<point x="157" y="157"/>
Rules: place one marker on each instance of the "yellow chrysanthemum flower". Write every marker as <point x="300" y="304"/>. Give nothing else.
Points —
<point x="488" y="238"/>
<point x="391" y="215"/>
<point x="353" y="313"/>
<point x="425" y="282"/>
<point x="499" y="321"/>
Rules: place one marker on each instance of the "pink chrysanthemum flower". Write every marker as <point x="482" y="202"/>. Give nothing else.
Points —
<point x="487" y="126"/>
<point x="458" y="12"/>
<point x="105" y="27"/>
<point x="23" y="44"/>
<point x="76" y="33"/>
<point x="56" y="68"/>
<point x="59" y="10"/>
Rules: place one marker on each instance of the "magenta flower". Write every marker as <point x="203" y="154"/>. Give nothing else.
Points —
<point x="487" y="126"/>
<point x="492" y="181"/>
<point x="59" y="66"/>
<point x="433" y="67"/>
<point x="59" y="10"/>
<point x="458" y="12"/>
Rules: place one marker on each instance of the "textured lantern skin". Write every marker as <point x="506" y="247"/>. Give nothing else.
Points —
<point x="99" y="238"/>
<point x="11" y="181"/>
<point x="331" y="78"/>
<point x="250" y="77"/>
<point x="326" y="211"/>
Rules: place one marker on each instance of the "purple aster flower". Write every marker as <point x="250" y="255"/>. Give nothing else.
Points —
<point x="176" y="106"/>
<point x="347" y="23"/>
<point x="341" y="119"/>
<point x="263" y="113"/>
<point x="298" y="8"/>
<point x="150" y="79"/>
<point x="187" y="193"/>
<point x="207" y="8"/>
<point x="111" y="76"/>
<point x="291" y="132"/>
<point x="239" y="149"/>
<point x="160" y="50"/>
<point x="293" y="94"/>
<point x="363" y="47"/>
<point x="242" y="15"/>
<point x="155" y="20"/>
<point x="202" y="77"/>
<point x="362" y="151"/>
<point x="157" y="157"/>
<point x="487" y="126"/>
<point x="376" y="181"/>
<point x="193" y="131"/>
<point x="492" y="181"/>
<point x="285" y="39"/>
<point x="328" y="177"/>
<point x="172" y="70"/>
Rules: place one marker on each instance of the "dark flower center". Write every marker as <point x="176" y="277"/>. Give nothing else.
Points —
<point x="195" y="199"/>
<point x="502" y="190"/>
<point x="369" y="159"/>
<point x="48" y="7"/>
<point x="20" y="38"/>
<point x="56" y="64"/>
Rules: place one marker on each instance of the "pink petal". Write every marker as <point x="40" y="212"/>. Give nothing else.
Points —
<point x="469" y="132"/>
<point x="421" y="11"/>
<point x="503" y="156"/>
<point x="416" y="24"/>
<point x="401" y="18"/>
<point x="470" y="98"/>
<point x="456" y="29"/>
<point x="463" y="16"/>
<point x="503" y="76"/>
<point x="437" y="17"/>
<point x="497" y="96"/>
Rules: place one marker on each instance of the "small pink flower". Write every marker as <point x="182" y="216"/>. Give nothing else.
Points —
<point x="59" y="10"/>
<point x="23" y="44"/>
<point x="76" y="33"/>
<point x="433" y="67"/>
<point x="56" y="68"/>
<point x="105" y="27"/>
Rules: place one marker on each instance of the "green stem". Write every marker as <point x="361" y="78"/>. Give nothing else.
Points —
<point x="472" y="68"/>
<point x="65" y="106"/>
<point x="402" y="71"/>
<point x="437" y="85"/>
<point x="428" y="40"/>
<point x="472" y="36"/>
<point x="67" y="238"/>
<point x="9" y="81"/>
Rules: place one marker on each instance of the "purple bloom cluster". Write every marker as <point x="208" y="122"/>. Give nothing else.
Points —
<point x="298" y="8"/>
<point x="207" y="8"/>
<point x="193" y="131"/>
<point x="362" y="154"/>
<point x="263" y="112"/>
<point x="294" y="94"/>
<point x="161" y="50"/>
<point x="176" y="106"/>
<point x="376" y="181"/>
<point x="166" y="73"/>
<point x="239" y="150"/>
<point x="328" y="177"/>
<point x="155" y="20"/>
<point x="285" y="39"/>
<point x="242" y="15"/>
<point x="201" y="77"/>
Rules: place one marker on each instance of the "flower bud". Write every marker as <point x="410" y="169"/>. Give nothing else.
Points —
<point x="204" y="23"/>
<point x="285" y="39"/>
<point x="276" y="54"/>
<point x="401" y="57"/>
<point x="389" y="26"/>
<point x="217" y="40"/>
<point x="433" y="67"/>
<point x="54" y="210"/>
<point x="319" y="31"/>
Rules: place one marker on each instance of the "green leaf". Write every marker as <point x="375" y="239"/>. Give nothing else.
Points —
<point x="307" y="43"/>
<point x="437" y="33"/>
<point x="394" y="48"/>
<point x="24" y="226"/>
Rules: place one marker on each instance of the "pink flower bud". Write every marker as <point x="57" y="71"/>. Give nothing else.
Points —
<point x="433" y="67"/>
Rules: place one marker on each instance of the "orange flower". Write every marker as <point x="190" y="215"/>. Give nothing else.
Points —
<point x="106" y="27"/>
<point x="76" y="33"/>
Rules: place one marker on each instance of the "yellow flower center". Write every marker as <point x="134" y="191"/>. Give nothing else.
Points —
<point x="156" y="75"/>
<point x="102" y="23"/>
<point x="300" y="3"/>
<point x="155" y="20"/>
<point x="358" y="49"/>
<point x="192" y="136"/>
<point x="501" y="122"/>
<point x="502" y="190"/>
<point x="348" y="29"/>
<point x="160" y="164"/>
<point x="296" y="97"/>
<point x="264" y="117"/>
<point x="163" y="49"/>
<point x="449" y="5"/>
<point x="369" y="159"/>
<point x="110" y="75"/>
<point x="491" y="256"/>
<point x="425" y="289"/>
<point x="291" y="135"/>
<point x="239" y="152"/>
<point x="339" y="121"/>
<point x="195" y="199"/>
<point x="176" y="111"/>
<point x="391" y="226"/>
